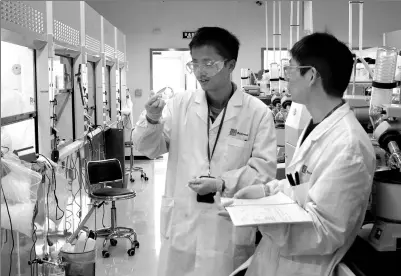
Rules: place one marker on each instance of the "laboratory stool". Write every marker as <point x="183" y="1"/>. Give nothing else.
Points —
<point x="101" y="175"/>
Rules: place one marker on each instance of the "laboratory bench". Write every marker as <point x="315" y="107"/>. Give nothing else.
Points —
<point x="363" y="260"/>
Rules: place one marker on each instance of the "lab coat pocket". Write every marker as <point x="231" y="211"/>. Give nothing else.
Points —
<point x="244" y="235"/>
<point x="235" y="155"/>
<point x="166" y="213"/>
<point x="300" y="193"/>
<point x="289" y="267"/>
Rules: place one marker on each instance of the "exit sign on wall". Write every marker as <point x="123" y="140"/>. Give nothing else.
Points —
<point x="188" y="35"/>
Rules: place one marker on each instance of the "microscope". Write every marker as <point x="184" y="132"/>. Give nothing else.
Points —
<point x="386" y="121"/>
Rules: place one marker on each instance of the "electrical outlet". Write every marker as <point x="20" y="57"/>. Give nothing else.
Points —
<point x="138" y="92"/>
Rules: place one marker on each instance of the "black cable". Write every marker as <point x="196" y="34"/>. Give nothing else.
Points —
<point x="55" y="196"/>
<point x="47" y="200"/>
<point x="48" y="210"/>
<point x="32" y="252"/>
<point x="90" y="146"/>
<point x="84" y="178"/>
<point x="71" y="166"/>
<point x="54" y="192"/>
<point x="69" y="211"/>
<point x="86" y="183"/>
<point x="11" y="229"/>
<point x="75" y="198"/>
<point x="34" y="239"/>
<point x="69" y="190"/>
<point x="74" y="168"/>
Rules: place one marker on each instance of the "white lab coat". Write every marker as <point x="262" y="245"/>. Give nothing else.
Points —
<point x="336" y="164"/>
<point x="195" y="240"/>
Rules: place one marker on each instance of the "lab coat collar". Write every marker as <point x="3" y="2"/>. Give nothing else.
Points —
<point x="233" y="104"/>
<point x="318" y="132"/>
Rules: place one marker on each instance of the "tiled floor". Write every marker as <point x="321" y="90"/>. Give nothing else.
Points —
<point x="141" y="213"/>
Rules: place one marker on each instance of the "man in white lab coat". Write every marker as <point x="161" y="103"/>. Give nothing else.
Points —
<point x="219" y="139"/>
<point x="333" y="168"/>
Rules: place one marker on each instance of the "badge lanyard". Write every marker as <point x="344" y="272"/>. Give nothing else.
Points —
<point x="334" y="109"/>
<point x="331" y="112"/>
<point x="217" y="138"/>
<point x="210" y="156"/>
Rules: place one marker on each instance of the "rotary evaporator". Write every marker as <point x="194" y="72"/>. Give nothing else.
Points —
<point x="385" y="117"/>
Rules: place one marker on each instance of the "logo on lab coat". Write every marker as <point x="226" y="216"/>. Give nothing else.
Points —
<point x="234" y="132"/>
<point x="304" y="169"/>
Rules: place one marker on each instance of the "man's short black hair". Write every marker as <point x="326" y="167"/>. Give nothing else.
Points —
<point x="225" y="43"/>
<point x="331" y="58"/>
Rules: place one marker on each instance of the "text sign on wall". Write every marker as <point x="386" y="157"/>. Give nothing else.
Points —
<point x="188" y="35"/>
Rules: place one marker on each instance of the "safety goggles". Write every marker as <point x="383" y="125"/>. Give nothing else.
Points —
<point x="289" y="69"/>
<point x="210" y="68"/>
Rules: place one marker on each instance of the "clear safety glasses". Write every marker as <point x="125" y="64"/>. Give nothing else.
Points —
<point x="209" y="69"/>
<point x="289" y="69"/>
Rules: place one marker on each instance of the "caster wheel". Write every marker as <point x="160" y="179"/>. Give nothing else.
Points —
<point x="132" y="180"/>
<point x="113" y="242"/>
<point x="105" y="254"/>
<point x="136" y="244"/>
<point x="131" y="251"/>
<point x="146" y="178"/>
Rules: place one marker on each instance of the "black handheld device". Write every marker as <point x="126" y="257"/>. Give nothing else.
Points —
<point x="208" y="198"/>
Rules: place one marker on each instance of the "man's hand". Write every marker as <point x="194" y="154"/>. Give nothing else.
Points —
<point x="205" y="185"/>
<point x="154" y="107"/>
<point x="251" y="192"/>
<point x="222" y="211"/>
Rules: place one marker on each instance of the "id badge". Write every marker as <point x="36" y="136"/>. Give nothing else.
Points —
<point x="208" y="198"/>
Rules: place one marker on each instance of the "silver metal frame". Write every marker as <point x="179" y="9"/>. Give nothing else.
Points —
<point x="33" y="26"/>
<point x="262" y="59"/>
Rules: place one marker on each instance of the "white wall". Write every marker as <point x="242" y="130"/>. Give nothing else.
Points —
<point x="379" y="17"/>
<point x="244" y="19"/>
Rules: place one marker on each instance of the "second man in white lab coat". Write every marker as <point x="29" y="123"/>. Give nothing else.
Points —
<point x="331" y="172"/>
<point x="219" y="139"/>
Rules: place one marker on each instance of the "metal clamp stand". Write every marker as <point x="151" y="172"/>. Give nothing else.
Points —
<point x="131" y="162"/>
<point x="82" y="226"/>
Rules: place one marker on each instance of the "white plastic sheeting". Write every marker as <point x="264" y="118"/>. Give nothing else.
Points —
<point x="19" y="190"/>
